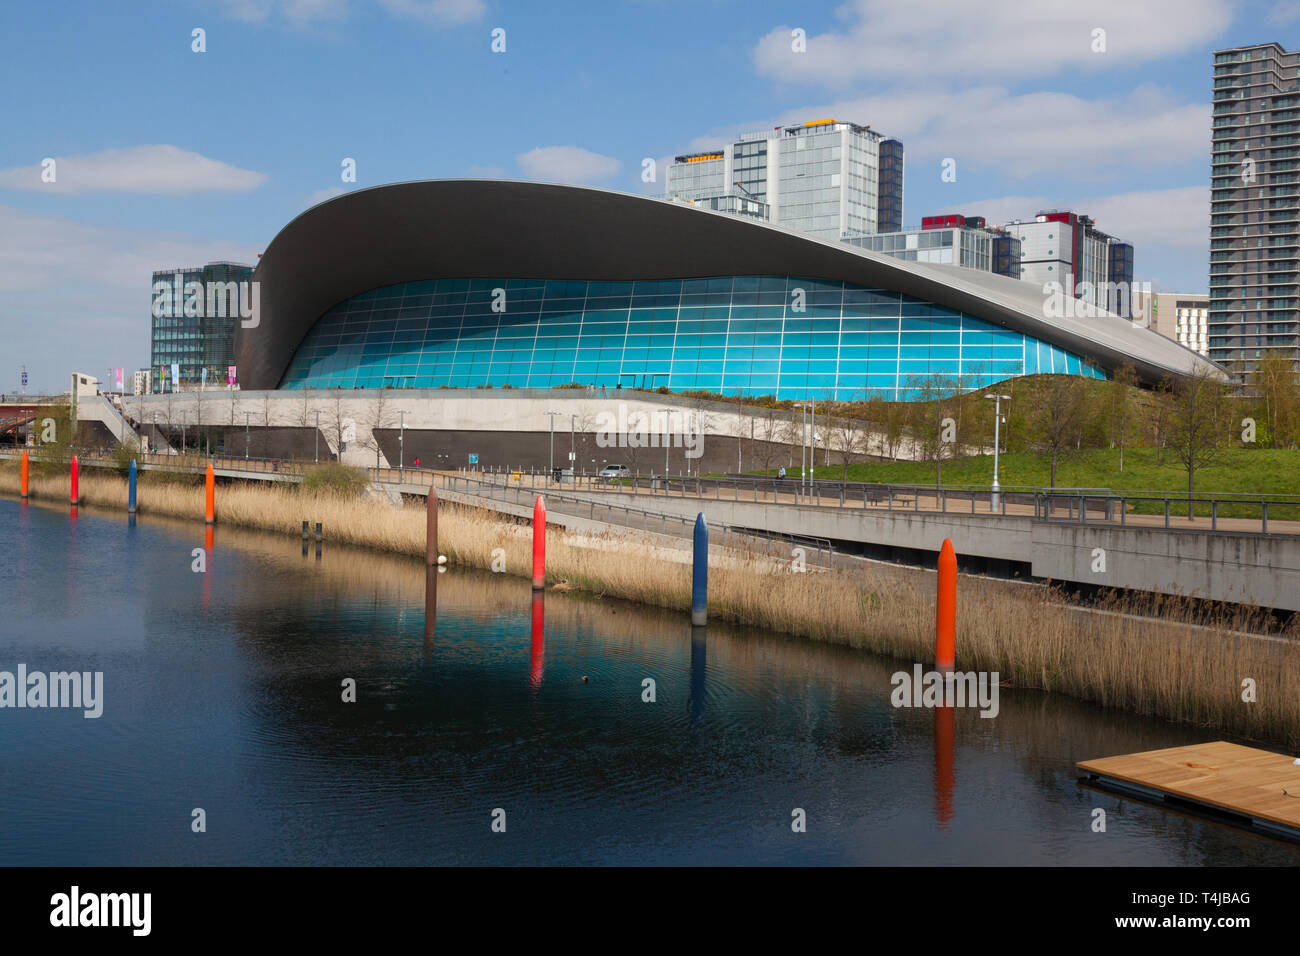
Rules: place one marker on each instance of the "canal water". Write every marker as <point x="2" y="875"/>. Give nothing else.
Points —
<point x="223" y="691"/>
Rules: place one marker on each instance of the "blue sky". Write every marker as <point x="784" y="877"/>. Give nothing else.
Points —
<point x="168" y="157"/>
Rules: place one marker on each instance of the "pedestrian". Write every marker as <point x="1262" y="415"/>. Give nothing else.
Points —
<point x="780" y="475"/>
<point x="417" y="462"/>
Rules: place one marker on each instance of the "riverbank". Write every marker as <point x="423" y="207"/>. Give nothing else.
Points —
<point x="1157" y="666"/>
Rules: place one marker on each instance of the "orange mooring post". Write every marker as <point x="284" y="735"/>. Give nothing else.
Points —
<point x="945" y="626"/>
<point x="73" y="494"/>
<point x="210" y="497"/>
<point x="539" y="544"/>
<point x="25" y="468"/>
<point x="431" y="528"/>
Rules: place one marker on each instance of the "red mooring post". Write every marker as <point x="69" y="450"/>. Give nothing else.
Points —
<point x="431" y="528"/>
<point x="25" y="468"/>
<point x="73" y="493"/>
<point x="539" y="544"/>
<point x="210" y="497"/>
<point x="945" y="638"/>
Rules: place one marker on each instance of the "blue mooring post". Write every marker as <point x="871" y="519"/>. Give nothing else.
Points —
<point x="700" y="575"/>
<point x="130" y="490"/>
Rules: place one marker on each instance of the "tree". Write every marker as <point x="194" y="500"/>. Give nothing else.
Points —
<point x="768" y="437"/>
<point x="1158" y="418"/>
<point x="933" y="423"/>
<point x="1196" y="434"/>
<point x="1058" y="417"/>
<point x="846" y="435"/>
<point x="1119" y="406"/>
<point x="1273" y="384"/>
<point x="379" y="416"/>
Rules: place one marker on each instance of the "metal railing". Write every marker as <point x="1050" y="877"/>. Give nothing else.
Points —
<point x="823" y="552"/>
<point x="1234" y="513"/>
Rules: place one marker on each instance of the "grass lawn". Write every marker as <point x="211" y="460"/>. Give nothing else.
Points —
<point x="1239" y="470"/>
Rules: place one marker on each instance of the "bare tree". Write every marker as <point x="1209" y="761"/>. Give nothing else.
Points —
<point x="1159" y="418"/>
<point x="1119" y="406"/>
<point x="932" y="418"/>
<point x="1057" y="417"/>
<point x="847" y="435"/>
<point x="1196" y="432"/>
<point x="769" y="437"/>
<point x="378" y="416"/>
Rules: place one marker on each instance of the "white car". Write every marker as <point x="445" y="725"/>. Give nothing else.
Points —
<point x="612" y="472"/>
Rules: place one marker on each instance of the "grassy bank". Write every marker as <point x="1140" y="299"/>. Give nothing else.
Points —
<point x="1160" y="666"/>
<point x="1241" y="470"/>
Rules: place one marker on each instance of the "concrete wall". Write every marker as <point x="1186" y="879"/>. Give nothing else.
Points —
<point x="504" y="427"/>
<point x="1244" y="569"/>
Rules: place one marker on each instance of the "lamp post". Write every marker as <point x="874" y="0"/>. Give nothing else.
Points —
<point x="573" y="447"/>
<point x="552" y="415"/>
<point x="995" y="498"/>
<point x="318" y="436"/>
<point x="401" y="442"/>
<point x="246" y="436"/>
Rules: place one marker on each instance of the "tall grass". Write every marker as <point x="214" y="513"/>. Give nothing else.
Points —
<point x="1174" y="660"/>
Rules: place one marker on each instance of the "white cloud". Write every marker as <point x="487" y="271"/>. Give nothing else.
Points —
<point x="321" y="195"/>
<point x="438" y="11"/>
<point x="1167" y="227"/>
<point x="566" y="164"/>
<point x="295" y="11"/>
<point x="76" y="295"/>
<point x="161" y="170"/>
<point x="307" y="12"/>
<point x="940" y="39"/>
<point x="988" y="129"/>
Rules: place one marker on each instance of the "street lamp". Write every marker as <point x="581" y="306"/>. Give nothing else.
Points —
<point x="552" y="415"/>
<point x="318" y="436"/>
<point x="246" y="414"/>
<point x="401" y="442"/>
<point x="995" y="498"/>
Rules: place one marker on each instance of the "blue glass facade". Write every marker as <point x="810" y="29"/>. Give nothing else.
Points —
<point x="752" y="335"/>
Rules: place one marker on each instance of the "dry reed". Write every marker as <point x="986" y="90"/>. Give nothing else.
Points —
<point x="1180" y="662"/>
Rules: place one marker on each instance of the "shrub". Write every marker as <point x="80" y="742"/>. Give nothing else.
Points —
<point x="342" y="481"/>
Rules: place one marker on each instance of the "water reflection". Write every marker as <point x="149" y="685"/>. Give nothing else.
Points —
<point x="239" y="707"/>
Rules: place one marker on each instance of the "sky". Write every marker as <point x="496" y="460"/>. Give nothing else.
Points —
<point x="167" y="156"/>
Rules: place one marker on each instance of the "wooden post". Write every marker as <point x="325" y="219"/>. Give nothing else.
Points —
<point x="431" y="528"/>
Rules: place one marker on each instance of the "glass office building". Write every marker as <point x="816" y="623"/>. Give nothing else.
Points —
<point x="753" y="335"/>
<point x="825" y="177"/>
<point x="195" y="332"/>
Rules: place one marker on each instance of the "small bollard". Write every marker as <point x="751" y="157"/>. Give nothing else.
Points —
<point x="700" y="574"/>
<point x="945" y="637"/>
<point x="306" y="530"/>
<point x="319" y="535"/>
<point x="130" y="489"/>
<point x="539" y="544"/>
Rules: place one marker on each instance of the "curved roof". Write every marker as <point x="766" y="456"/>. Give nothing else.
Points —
<point x="506" y="229"/>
